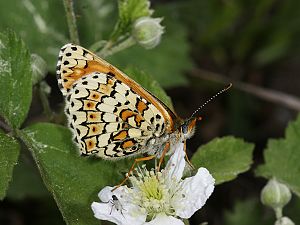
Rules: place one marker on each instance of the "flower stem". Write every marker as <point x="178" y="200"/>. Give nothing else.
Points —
<point x="186" y="222"/>
<point x="71" y="19"/>
<point x="45" y="102"/>
<point x="110" y="48"/>
<point x="278" y="212"/>
<point x="97" y="45"/>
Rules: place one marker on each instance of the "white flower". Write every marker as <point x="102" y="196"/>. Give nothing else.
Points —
<point x="156" y="197"/>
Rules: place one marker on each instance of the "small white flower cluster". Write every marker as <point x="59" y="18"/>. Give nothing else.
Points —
<point x="156" y="197"/>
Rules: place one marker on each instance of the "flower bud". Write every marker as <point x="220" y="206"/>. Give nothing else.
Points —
<point x="45" y="87"/>
<point x="284" y="221"/>
<point x="275" y="194"/>
<point x="147" y="31"/>
<point x="38" y="67"/>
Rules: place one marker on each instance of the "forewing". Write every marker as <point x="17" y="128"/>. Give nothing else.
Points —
<point x="75" y="62"/>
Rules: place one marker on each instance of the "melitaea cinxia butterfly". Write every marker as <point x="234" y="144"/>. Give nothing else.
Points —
<point x="111" y="115"/>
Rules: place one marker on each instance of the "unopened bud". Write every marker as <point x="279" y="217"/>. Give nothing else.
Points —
<point x="275" y="194"/>
<point x="147" y="31"/>
<point x="38" y="67"/>
<point x="284" y="221"/>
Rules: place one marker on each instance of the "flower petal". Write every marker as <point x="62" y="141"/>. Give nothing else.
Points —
<point x="104" y="211"/>
<point x="195" y="191"/>
<point x="117" y="211"/>
<point x="106" y="193"/>
<point x="175" y="166"/>
<point x="163" y="219"/>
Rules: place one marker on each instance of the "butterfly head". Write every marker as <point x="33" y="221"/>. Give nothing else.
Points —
<point x="187" y="129"/>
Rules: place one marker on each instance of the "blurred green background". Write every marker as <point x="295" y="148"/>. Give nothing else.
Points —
<point x="207" y="44"/>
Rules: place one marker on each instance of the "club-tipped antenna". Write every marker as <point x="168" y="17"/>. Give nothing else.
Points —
<point x="213" y="97"/>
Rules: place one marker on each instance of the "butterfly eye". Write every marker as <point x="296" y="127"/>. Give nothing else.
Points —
<point x="184" y="129"/>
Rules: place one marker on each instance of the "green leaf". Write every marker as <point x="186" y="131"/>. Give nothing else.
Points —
<point x="169" y="60"/>
<point x="74" y="181"/>
<point x="224" y="157"/>
<point x="9" y="152"/>
<point x="15" y="84"/>
<point x="282" y="158"/>
<point x="41" y="24"/>
<point x="129" y="11"/>
<point x="26" y="182"/>
<point x="150" y="84"/>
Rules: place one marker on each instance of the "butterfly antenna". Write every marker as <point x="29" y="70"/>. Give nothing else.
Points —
<point x="213" y="97"/>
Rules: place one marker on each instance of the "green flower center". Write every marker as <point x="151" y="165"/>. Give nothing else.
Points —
<point x="151" y="188"/>
<point x="153" y="194"/>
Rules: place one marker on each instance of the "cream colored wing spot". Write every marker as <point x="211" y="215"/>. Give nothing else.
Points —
<point x="74" y="105"/>
<point x="104" y="139"/>
<point x="106" y="108"/>
<point x="88" y="84"/>
<point x="101" y="78"/>
<point x="121" y="88"/>
<point x="108" y="117"/>
<point x="110" y="100"/>
<point x="79" y="92"/>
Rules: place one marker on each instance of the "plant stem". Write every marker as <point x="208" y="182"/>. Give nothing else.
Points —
<point x="277" y="97"/>
<point x="71" y="19"/>
<point x="5" y="126"/>
<point x="45" y="102"/>
<point x="278" y="213"/>
<point x="110" y="48"/>
<point x="97" y="45"/>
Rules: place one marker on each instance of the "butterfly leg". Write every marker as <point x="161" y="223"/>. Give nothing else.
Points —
<point x="131" y="169"/>
<point x="186" y="156"/>
<point x="166" y="149"/>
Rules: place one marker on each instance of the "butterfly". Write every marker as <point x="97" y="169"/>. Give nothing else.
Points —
<point x="111" y="115"/>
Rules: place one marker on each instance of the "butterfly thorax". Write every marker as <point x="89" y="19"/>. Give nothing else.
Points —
<point x="184" y="131"/>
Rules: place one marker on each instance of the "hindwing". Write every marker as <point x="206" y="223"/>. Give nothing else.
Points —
<point x="109" y="119"/>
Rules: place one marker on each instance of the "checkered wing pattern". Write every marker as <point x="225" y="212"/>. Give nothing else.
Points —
<point x="109" y="114"/>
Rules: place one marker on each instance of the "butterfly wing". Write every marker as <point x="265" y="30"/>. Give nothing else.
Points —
<point x="109" y="113"/>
